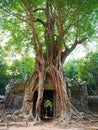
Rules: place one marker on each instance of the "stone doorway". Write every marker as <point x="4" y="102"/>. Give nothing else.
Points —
<point x="34" y="102"/>
<point x="48" y="112"/>
<point x="48" y="95"/>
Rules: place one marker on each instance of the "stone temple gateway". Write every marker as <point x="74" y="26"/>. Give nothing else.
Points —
<point x="77" y="92"/>
<point x="14" y="96"/>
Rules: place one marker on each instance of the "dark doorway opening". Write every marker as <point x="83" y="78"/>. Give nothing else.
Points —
<point x="48" y="95"/>
<point x="34" y="102"/>
<point x="47" y="111"/>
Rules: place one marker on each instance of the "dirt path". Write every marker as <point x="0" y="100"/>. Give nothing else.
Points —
<point x="47" y="126"/>
<point x="51" y="125"/>
<point x="41" y="128"/>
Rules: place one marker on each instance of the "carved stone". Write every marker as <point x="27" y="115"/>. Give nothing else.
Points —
<point x="77" y="92"/>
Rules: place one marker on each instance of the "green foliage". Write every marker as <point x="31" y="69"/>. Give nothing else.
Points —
<point x="20" y="69"/>
<point x="76" y="15"/>
<point x="3" y="77"/>
<point x="13" y="21"/>
<point x="3" y="73"/>
<point x="87" y="70"/>
<point x="70" y="69"/>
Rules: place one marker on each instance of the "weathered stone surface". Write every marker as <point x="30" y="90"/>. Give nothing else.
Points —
<point x="14" y="95"/>
<point x="78" y="95"/>
<point x="77" y="92"/>
<point x="93" y="103"/>
<point x="1" y="102"/>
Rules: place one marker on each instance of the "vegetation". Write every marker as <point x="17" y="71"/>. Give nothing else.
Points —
<point x="3" y="72"/>
<point x="70" y="69"/>
<point x="54" y="28"/>
<point x="85" y="69"/>
<point x="21" y="69"/>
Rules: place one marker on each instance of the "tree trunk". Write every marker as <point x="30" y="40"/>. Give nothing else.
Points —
<point x="47" y="65"/>
<point x="37" y="83"/>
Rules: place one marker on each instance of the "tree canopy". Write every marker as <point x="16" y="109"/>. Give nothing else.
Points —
<point x="74" y="22"/>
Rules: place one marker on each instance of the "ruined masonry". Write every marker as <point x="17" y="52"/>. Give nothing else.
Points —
<point x="77" y="92"/>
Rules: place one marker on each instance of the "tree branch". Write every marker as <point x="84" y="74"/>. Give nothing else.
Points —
<point x="73" y="22"/>
<point x="39" y="9"/>
<point x="67" y="28"/>
<point x="69" y="50"/>
<point x="11" y="13"/>
<point x="76" y="42"/>
<point x="30" y="16"/>
<point x="41" y="21"/>
<point x="81" y="41"/>
<point x="19" y="16"/>
<point x="37" y="43"/>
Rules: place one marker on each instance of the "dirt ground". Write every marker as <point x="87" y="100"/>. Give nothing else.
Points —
<point x="41" y="128"/>
<point x="50" y="125"/>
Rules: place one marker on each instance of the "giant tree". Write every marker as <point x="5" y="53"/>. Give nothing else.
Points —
<point x="54" y="28"/>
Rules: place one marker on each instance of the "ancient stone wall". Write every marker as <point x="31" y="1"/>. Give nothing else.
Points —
<point x="77" y="92"/>
<point x="1" y="104"/>
<point x="93" y="103"/>
<point x="14" y="95"/>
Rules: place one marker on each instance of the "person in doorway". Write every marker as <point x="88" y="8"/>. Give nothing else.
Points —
<point x="48" y="108"/>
